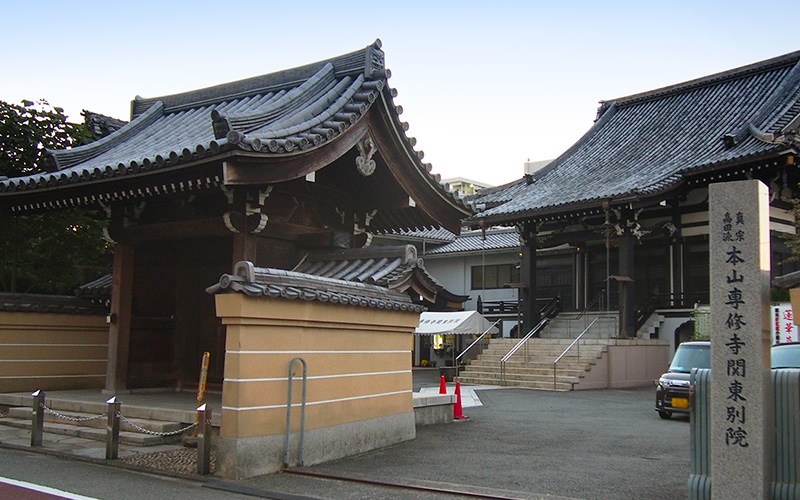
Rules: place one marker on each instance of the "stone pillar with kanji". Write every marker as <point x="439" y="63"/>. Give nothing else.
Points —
<point x="741" y="384"/>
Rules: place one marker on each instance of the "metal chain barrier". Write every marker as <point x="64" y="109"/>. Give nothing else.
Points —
<point x="71" y="419"/>
<point x="154" y="433"/>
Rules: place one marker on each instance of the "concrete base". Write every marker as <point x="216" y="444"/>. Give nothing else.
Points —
<point x="239" y="458"/>
<point x="433" y="408"/>
<point x="628" y="363"/>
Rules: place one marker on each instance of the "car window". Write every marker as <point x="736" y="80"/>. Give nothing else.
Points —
<point x="690" y="356"/>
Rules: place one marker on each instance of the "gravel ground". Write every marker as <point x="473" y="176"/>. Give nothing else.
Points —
<point x="179" y="461"/>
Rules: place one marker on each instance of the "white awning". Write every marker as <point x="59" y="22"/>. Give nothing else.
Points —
<point x="459" y="323"/>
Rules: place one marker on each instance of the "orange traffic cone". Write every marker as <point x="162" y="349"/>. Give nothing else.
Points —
<point x="457" y="415"/>
<point x="442" y="386"/>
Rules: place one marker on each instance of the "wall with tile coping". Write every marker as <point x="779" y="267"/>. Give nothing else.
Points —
<point x="359" y="392"/>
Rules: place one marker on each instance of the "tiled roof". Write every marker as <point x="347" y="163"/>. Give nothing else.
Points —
<point x="97" y="291"/>
<point x="394" y="267"/>
<point x="56" y="304"/>
<point x="474" y="242"/>
<point x="277" y="115"/>
<point x="274" y="283"/>
<point x="435" y="235"/>
<point x="648" y="143"/>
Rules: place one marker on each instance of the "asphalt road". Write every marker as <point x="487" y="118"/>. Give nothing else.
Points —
<point x="604" y="444"/>
<point x="523" y="444"/>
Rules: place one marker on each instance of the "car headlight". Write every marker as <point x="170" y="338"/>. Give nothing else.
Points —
<point x="665" y="383"/>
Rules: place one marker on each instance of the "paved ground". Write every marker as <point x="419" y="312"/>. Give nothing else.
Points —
<point x="605" y="444"/>
<point x="524" y="444"/>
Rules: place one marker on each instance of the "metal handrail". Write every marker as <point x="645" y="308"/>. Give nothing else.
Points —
<point x="578" y="338"/>
<point x="478" y="339"/>
<point x="544" y="321"/>
<point x="548" y="310"/>
<point x="597" y="299"/>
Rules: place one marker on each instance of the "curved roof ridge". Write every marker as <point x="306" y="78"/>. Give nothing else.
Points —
<point x="291" y="124"/>
<point x="59" y="159"/>
<point x="281" y="107"/>
<point x="789" y="59"/>
<point x="369" y="61"/>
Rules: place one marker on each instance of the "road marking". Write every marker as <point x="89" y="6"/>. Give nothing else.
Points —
<point x="44" y="489"/>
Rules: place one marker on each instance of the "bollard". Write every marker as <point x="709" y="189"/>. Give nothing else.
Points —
<point x="37" y="418"/>
<point x="204" y="440"/>
<point x="112" y="429"/>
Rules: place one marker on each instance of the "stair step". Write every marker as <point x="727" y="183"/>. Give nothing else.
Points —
<point x="82" y="420"/>
<point x="523" y="371"/>
<point x="560" y="386"/>
<point x="532" y="365"/>
<point x="495" y="378"/>
<point x="125" y="437"/>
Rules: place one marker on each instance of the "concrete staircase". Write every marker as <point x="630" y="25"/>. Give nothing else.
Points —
<point x="532" y="365"/>
<point x="88" y="420"/>
<point x="567" y="326"/>
<point x="537" y="371"/>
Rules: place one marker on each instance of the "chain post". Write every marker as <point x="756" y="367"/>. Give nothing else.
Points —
<point x="112" y="428"/>
<point x="204" y="440"/>
<point x="37" y="418"/>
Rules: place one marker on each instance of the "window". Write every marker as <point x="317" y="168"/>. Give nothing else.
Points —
<point x="494" y="276"/>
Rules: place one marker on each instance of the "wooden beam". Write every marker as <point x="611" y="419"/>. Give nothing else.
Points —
<point x="253" y="170"/>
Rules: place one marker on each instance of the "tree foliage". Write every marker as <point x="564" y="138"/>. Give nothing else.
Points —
<point x="51" y="252"/>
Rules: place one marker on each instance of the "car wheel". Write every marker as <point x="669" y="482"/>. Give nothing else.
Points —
<point x="666" y="415"/>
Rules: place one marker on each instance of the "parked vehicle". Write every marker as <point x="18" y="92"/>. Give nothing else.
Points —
<point x="672" y="392"/>
<point x="786" y="355"/>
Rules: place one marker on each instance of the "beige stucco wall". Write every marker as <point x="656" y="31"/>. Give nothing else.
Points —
<point x="359" y="379"/>
<point x="52" y="351"/>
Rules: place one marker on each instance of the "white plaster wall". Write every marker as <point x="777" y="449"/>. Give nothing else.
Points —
<point x="455" y="273"/>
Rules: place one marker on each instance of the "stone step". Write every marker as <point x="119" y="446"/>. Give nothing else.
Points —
<point x="129" y="410"/>
<point x="533" y="363"/>
<point x="125" y="437"/>
<point x="97" y="421"/>
<point x="560" y="386"/>
<point x="567" y="372"/>
<point x="520" y="377"/>
<point x="546" y="341"/>
<point x="536" y="358"/>
<point x="546" y="351"/>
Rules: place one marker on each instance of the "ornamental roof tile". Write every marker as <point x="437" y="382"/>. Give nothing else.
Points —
<point x="276" y="283"/>
<point x="648" y="143"/>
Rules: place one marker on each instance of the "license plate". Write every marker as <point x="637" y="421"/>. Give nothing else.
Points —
<point x="680" y="403"/>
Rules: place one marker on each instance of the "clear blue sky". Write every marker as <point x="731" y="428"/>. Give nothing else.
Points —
<point x="484" y="85"/>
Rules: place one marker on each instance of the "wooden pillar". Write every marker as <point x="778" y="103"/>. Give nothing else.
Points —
<point x="627" y="293"/>
<point x="244" y="248"/>
<point x="530" y="311"/>
<point x="119" y="331"/>
<point x="244" y="243"/>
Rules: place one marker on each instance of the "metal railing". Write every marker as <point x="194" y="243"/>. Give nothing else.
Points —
<point x="547" y="312"/>
<point x="477" y="340"/>
<point x="289" y="415"/>
<point x="597" y="300"/>
<point x="574" y="342"/>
